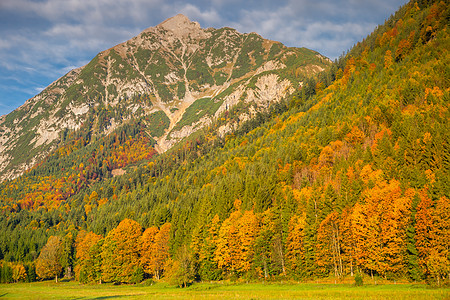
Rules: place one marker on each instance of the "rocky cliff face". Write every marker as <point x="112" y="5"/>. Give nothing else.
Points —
<point x="189" y="73"/>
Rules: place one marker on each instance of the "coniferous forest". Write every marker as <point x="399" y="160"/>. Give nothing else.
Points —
<point x="348" y="176"/>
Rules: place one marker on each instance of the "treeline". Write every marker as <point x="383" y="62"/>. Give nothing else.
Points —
<point x="125" y="255"/>
<point x="17" y="272"/>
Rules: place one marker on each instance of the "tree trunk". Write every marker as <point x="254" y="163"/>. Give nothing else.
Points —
<point x="351" y="267"/>
<point x="265" y="268"/>
<point x="56" y="278"/>
<point x="281" y="254"/>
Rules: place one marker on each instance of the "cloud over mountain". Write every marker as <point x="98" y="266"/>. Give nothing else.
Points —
<point x="40" y="40"/>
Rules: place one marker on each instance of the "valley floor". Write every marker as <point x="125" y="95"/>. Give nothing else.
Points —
<point x="75" y="290"/>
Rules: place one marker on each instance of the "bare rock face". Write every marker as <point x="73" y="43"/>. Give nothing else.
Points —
<point x="188" y="74"/>
<point x="181" y="26"/>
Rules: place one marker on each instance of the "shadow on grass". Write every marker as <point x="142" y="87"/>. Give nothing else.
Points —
<point x="101" y="298"/>
<point x="3" y="295"/>
<point x="108" y="297"/>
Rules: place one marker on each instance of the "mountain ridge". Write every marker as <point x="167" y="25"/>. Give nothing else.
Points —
<point x="172" y="64"/>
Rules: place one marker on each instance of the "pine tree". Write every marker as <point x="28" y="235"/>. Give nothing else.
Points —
<point x="208" y="268"/>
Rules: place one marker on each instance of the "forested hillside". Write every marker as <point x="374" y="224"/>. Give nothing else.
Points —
<point x="350" y="176"/>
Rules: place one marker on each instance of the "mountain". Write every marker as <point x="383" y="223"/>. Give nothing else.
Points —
<point x="177" y="76"/>
<point x="347" y="178"/>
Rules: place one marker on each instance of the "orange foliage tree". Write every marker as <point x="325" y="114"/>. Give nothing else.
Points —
<point x="235" y="244"/>
<point x="379" y="227"/>
<point x="83" y="244"/>
<point x="148" y="249"/>
<point x="161" y="254"/>
<point x="295" y="252"/>
<point x="120" y="252"/>
<point x="328" y="245"/>
<point x="432" y="236"/>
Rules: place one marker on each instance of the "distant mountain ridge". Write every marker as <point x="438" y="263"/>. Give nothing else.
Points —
<point x="166" y="68"/>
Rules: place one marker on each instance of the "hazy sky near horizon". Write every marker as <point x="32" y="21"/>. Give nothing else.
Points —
<point x="41" y="40"/>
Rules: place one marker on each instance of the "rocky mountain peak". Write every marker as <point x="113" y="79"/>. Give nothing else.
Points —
<point x="180" y="25"/>
<point x="174" y="78"/>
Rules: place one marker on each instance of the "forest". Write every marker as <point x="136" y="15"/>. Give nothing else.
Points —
<point x="349" y="176"/>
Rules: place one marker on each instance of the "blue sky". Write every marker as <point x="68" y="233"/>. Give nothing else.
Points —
<point x="41" y="40"/>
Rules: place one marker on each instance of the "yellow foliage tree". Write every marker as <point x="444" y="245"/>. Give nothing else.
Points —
<point x="48" y="264"/>
<point x="162" y="239"/>
<point x="295" y="252"/>
<point x="328" y="252"/>
<point x="379" y="228"/>
<point x="228" y="243"/>
<point x="236" y="240"/>
<point x="355" y="136"/>
<point x="19" y="273"/>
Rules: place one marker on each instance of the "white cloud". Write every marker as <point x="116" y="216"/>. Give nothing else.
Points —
<point x="39" y="89"/>
<point x="196" y="14"/>
<point x="48" y="38"/>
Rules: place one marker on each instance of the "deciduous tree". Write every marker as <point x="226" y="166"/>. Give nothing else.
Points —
<point x="48" y="263"/>
<point x="120" y="252"/>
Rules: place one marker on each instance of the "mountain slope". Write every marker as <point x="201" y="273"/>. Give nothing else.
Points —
<point x="166" y="69"/>
<point x="352" y="180"/>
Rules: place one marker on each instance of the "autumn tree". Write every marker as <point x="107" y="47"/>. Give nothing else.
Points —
<point x="181" y="271"/>
<point x="19" y="272"/>
<point x="433" y="234"/>
<point x="328" y="252"/>
<point x="365" y="226"/>
<point x="120" y="252"/>
<point x="84" y="243"/>
<point x="439" y="260"/>
<point x="355" y="136"/>
<point x="295" y="252"/>
<point x="161" y="254"/>
<point x="148" y="250"/>
<point x="235" y="244"/>
<point x="248" y="231"/>
<point x="48" y="263"/>
<point x="379" y="227"/>
<point x="226" y="253"/>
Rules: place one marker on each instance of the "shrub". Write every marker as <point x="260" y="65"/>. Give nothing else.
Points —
<point x="358" y="280"/>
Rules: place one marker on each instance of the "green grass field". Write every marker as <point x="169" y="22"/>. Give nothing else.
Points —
<point x="74" y="290"/>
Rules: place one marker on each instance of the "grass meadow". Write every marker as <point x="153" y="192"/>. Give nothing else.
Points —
<point x="75" y="290"/>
